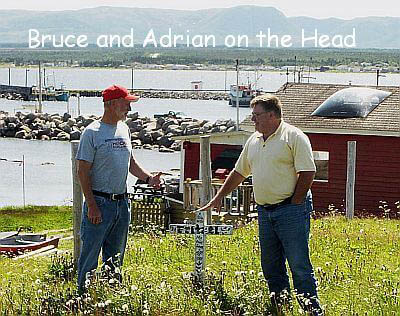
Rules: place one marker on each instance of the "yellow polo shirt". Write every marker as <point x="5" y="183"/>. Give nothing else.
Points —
<point x="274" y="163"/>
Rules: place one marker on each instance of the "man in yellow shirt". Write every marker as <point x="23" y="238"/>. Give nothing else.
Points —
<point x="279" y="157"/>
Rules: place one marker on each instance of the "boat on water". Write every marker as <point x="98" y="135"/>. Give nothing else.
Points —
<point x="11" y="243"/>
<point x="245" y="93"/>
<point x="62" y="95"/>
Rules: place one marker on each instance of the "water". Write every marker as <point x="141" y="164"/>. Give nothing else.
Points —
<point x="48" y="164"/>
<point x="48" y="178"/>
<point x="76" y="78"/>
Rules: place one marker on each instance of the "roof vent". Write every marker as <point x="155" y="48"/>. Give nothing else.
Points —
<point x="351" y="102"/>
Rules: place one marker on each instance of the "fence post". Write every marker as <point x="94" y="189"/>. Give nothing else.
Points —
<point x="351" y="178"/>
<point x="205" y="174"/>
<point x="77" y="203"/>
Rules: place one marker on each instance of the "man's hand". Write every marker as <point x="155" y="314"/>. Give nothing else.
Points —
<point x="94" y="214"/>
<point x="215" y="203"/>
<point x="155" y="181"/>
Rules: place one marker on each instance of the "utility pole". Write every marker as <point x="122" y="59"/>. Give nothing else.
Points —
<point x="237" y="94"/>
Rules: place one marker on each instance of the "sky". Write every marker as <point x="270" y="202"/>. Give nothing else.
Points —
<point x="344" y="9"/>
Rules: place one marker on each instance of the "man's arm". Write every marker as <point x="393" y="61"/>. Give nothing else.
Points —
<point x="304" y="182"/>
<point x="138" y="171"/>
<point x="231" y="183"/>
<point x="94" y="213"/>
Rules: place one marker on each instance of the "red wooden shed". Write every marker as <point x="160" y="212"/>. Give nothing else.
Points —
<point x="377" y="137"/>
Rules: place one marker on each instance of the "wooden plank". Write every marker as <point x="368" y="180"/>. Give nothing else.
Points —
<point x="205" y="163"/>
<point x="34" y="252"/>
<point x="77" y="203"/>
<point x="351" y="178"/>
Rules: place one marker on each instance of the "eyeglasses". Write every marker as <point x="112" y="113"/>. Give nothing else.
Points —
<point x="254" y="114"/>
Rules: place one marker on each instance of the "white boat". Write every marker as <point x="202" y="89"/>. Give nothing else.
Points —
<point x="245" y="93"/>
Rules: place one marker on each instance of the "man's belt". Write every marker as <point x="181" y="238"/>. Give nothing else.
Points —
<point x="271" y="207"/>
<point x="111" y="196"/>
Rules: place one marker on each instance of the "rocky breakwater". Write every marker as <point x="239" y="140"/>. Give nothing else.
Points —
<point x="146" y="133"/>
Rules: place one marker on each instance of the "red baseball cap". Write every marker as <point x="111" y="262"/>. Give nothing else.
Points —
<point x="117" y="92"/>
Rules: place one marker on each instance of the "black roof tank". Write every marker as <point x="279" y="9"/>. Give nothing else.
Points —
<point x="351" y="102"/>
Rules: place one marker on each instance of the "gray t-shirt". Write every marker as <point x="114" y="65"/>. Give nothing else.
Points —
<point x="108" y="148"/>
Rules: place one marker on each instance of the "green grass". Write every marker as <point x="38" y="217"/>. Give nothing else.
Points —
<point x="36" y="218"/>
<point x="357" y="265"/>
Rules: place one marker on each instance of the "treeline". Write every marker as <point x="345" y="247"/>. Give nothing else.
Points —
<point x="115" y="57"/>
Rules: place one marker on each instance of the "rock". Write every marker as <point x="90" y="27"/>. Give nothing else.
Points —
<point x="189" y="125"/>
<point x="222" y="128"/>
<point x="193" y="131"/>
<point x="231" y="129"/>
<point x="230" y="123"/>
<point x="147" y="146"/>
<point x="75" y="135"/>
<point x="156" y="134"/>
<point x="135" y="126"/>
<point x="66" y="117"/>
<point x="21" y="134"/>
<point x="63" y="136"/>
<point x="134" y="136"/>
<point x="174" y="129"/>
<point x="160" y="122"/>
<point x="145" y="136"/>
<point x="11" y="119"/>
<point x="168" y="123"/>
<point x="44" y="137"/>
<point x="136" y="143"/>
<point x="31" y="116"/>
<point x="215" y="129"/>
<point x="26" y="129"/>
<point x="12" y="126"/>
<point x="165" y="150"/>
<point x="133" y="116"/>
<point x="65" y="127"/>
<point x="176" y="146"/>
<point x="71" y="122"/>
<point x="164" y="141"/>
<point x="88" y="121"/>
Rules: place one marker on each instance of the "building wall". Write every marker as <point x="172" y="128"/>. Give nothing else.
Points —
<point x="377" y="172"/>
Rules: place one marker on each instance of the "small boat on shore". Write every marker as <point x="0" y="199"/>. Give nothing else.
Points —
<point x="13" y="244"/>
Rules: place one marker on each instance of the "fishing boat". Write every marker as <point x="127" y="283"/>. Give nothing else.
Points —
<point x="245" y="93"/>
<point x="11" y="243"/>
<point x="62" y="95"/>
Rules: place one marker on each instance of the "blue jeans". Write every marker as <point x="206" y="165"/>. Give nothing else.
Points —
<point x="284" y="235"/>
<point x="110" y="236"/>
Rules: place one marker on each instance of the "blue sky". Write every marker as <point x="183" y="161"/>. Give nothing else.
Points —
<point x="344" y="9"/>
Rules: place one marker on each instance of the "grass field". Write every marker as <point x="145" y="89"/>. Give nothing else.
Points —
<point x="356" y="262"/>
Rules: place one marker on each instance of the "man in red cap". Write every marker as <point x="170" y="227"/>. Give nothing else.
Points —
<point x="104" y="160"/>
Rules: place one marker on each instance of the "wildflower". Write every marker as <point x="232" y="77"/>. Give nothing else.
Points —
<point x="37" y="281"/>
<point x="134" y="287"/>
<point x="260" y="275"/>
<point x="108" y="302"/>
<point x="87" y="283"/>
<point x="39" y="291"/>
<point x="125" y="307"/>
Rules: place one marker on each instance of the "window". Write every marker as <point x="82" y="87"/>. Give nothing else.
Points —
<point x="321" y="159"/>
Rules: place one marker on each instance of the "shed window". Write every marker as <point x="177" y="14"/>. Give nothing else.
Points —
<point x="321" y="159"/>
<point x="351" y="102"/>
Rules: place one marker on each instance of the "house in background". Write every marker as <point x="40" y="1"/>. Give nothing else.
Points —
<point x="376" y="133"/>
